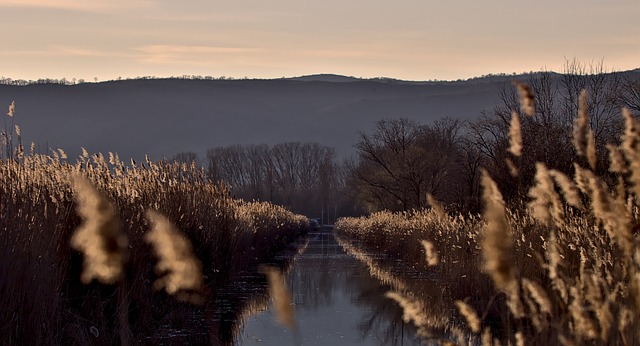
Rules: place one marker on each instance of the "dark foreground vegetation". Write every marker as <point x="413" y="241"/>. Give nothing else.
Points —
<point x="98" y="252"/>
<point x="553" y="260"/>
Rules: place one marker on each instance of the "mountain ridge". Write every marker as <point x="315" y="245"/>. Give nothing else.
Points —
<point x="161" y="117"/>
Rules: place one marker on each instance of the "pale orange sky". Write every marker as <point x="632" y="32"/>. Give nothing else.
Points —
<point x="407" y="39"/>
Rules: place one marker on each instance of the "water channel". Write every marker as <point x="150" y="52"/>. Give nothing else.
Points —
<point x="336" y="301"/>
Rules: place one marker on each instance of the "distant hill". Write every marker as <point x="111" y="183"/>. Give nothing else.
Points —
<point x="333" y="78"/>
<point x="162" y="117"/>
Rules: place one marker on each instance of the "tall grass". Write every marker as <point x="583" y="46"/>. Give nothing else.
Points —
<point x="56" y="215"/>
<point x="564" y="269"/>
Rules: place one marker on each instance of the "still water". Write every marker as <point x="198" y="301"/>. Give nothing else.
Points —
<point x="336" y="300"/>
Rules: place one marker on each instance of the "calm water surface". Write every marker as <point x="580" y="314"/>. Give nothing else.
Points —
<point x="336" y="301"/>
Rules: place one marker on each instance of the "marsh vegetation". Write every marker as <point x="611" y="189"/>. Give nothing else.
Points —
<point x="97" y="251"/>
<point x="556" y="263"/>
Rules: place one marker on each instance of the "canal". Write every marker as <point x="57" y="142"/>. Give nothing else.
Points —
<point x="336" y="301"/>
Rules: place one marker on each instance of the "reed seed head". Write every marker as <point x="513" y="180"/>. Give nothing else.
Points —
<point x="526" y="98"/>
<point x="515" y="135"/>
<point x="280" y="296"/>
<point x="179" y="269"/>
<point x="100" y="237"/>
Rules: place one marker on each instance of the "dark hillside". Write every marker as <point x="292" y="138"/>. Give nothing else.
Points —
<point x="164" y="116"/>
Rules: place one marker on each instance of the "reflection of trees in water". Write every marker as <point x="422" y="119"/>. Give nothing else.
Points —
<point x="325" y="269"/>
<point x="318" y="277"/>
<point x="318" y="273"/>
<point x="383" y="318"/>
<point x="245" y="297"/>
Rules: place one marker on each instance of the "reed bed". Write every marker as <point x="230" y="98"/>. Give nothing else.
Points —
<point x="563" y="268"/>
<point x="103" y="252"/>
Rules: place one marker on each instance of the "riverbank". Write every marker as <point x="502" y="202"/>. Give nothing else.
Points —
<point x="45" y="294"/>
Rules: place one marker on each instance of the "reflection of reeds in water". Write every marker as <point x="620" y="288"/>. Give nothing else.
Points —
<point x="232" y="307"/>
<point x="433" y="322"/>
<point x="563" y="269"/>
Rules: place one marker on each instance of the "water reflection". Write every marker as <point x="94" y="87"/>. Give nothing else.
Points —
<point x="337" y="302"/>
<point x="246" y="296"/>
<point x="426" y="295"/>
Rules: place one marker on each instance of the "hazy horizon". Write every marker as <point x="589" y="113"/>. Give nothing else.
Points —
<point x="586" y="65"/>
<point x="408" y="40"/>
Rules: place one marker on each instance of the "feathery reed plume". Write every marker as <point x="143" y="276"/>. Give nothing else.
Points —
<point x="513" y="170"/>
<point x="100" y="237"/>
<point x="546" y="204"/>
<point x="431" y="254"/>
<point x="179" y="270"/>
<point x="470" y="315"/>
<point x="568" y="188"/>
<point x="520" y="339"/>
<point x="436" y="206"/>
<point x="555" y="258"/>
<point x="412" y="311"/>
<point x="592" y="157"/>
<point x="605" y="316"/>
<point x="487" y="338"/>
<point x="610" y="211"/>
<point x="280" y="296"/>
<point x="497" y="244"/>
<point x="515" y="135"/>
<point x="12" y="109"/>
<point x="616" y="158"/>
<point x="526" y="98"/>
<point x="626" y="319"/>
<point x="580" y="126"/>
<point x="583" y="325"/>
<point x="538" y="294"/>
<point x="631" y="149"/>
<point x="581" y="180"/>
<point x="497" y="241"/>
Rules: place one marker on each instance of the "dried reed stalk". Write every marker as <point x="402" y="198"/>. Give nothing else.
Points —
<point x="526" y="98"/>
<point x="581" y="125"/>
<point x="470" y="315"/>
<point x="515" y="135"/>
<point x="497" y="244"/>
<point x="431" y="254"/>
<point x="592" y="156"/>
<point x="280" y="296"/>
<point x="436" y="206"/>
<point x="545" y="203"/>
<point x="412" y="312"/>
<point x="100" y="237"/>
<point x="179" y="269"/>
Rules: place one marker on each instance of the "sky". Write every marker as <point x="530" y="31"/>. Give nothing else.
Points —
<point x="405" y="39"/>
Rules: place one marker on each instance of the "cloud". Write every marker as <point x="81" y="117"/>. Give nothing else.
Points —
<point x="66" y="51"/>
<point x="98" y="6"/>
<point x="182" y="54"/>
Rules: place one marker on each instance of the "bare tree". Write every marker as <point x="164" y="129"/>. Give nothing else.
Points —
<point x="546" y="134"/>
<point x="630" y="94"/>
<point x="298" y="175"/>
<point x="401" y="161"/>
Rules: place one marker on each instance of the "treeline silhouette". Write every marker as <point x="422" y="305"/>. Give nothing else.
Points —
<point x="304" y="177"/>
<point x="400" y="161"/>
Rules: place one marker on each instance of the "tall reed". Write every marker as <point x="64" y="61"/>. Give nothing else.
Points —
<point x="562" y="270"/>
<point x="78" y="268"/>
